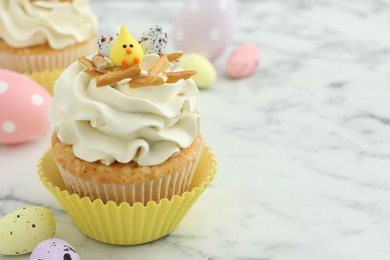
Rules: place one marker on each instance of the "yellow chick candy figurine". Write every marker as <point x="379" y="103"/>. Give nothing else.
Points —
<point x="125" y="50"/>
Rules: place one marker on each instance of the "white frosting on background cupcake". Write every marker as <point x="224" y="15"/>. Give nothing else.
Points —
<point x="26" y="23"/>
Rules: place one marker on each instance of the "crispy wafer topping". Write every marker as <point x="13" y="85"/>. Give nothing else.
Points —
<point x="105" y="73"/>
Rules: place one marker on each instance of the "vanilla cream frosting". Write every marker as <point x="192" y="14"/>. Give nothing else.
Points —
<point x="26" y="23"/>
<point x="116" y="123"/>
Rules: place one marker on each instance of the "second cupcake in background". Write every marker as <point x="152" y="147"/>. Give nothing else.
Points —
<point x="41" y="38"/>
<point x="126" y="127"/>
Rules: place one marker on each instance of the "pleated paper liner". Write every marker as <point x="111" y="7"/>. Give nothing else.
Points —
<point x="165" y="187"/>
<point x="124" y="224"/>
<point x="40" y="58"/>
<point x="45" y="78"/>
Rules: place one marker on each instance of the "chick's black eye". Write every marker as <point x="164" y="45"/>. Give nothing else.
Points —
<point x="124" y="46"/>
<point x="131" y="45"/>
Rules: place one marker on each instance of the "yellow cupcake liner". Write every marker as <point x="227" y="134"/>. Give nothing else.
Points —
<point x="45" y="78"/>
<point x="124" y="224"/>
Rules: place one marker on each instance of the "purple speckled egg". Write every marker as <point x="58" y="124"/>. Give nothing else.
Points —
<point x="205" y="27"/>
<point x="54" y="249"/>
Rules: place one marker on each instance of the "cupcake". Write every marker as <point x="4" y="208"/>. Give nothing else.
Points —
<point x="41" y="38"/>
<point x="126" y="224"/>
<point x="127" y="160"/>
<point x="126" y="127"/>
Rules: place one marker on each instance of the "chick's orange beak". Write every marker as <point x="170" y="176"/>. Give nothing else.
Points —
<point x="128" y="51"/>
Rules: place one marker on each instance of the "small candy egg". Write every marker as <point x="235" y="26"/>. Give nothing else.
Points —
<point x="54" y="249"/>
<point x="23" y="105"/>
<point x="23" y="229"/>
<point x="105" y="37"/>
<point x="206" y="74"/>
<point x="205" y="27"/>
<point x="153" y="40"/>
<point x="243" y="61"/>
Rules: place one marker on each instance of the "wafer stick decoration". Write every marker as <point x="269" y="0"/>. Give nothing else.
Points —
<point x="173" y="77"/>
<point x="115" y="76"/>
<point x="92" y="72"/>
<point x="106" y="74"/>
<point x="100" y="62"/>
<point x="159" y="65"/>
<point x="174" y="56"/>
<point x="147" y="81"/>
<point x="85" y="62"/>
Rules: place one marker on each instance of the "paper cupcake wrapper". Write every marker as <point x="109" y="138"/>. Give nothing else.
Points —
<point x="31" y="62"/>
<point x="125" y="224"/>
<point x="45" y="78"/>
<point x="157" y="189"/>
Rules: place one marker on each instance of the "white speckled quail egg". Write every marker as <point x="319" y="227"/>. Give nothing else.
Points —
<point x="105" y="37"/>
<point x="153" y="40"/>
<point x="23" y="229"/>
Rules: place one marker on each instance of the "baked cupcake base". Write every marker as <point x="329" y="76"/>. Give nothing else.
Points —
<point x="124" y="224"/>
<point x="127" y="182"/>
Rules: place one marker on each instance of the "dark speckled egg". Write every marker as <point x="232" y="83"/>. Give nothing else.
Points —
<point x="153" y="40"/>
<point x="105" y="38"/>
<point x="54" y="249"/>
<point x="23" y="229"/>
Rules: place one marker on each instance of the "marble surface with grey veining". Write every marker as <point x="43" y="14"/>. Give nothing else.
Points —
<point x="303" y="145"/>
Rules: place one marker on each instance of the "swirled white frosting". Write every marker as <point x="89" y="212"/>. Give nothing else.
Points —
<point x="26" y="23"/>
<point x="147" y="125"/>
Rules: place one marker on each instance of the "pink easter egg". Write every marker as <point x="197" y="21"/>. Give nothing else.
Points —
<point x="205" y="27"/>
<point x="23" y="108"/>
<point x="243" y="61"/>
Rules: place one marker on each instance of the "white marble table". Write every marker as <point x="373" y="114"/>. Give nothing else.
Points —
<point x="303" y="145"/>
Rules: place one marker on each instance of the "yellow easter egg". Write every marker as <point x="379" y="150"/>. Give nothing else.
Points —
<point x="126" y="51"/>
<point x="206" y="74"/>
<point x="23" y="229"/>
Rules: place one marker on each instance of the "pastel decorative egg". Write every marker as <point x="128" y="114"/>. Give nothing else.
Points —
<point x="105" y="38"/>
<point x="243" y="61"/>
<point x="23" y="229"/>
<point x="23" y="105"/>
<point x="205" y="27"/>
<point x="54" y="249"/>
<point x="206" y="73"/>
<point x="153" y="40"/>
